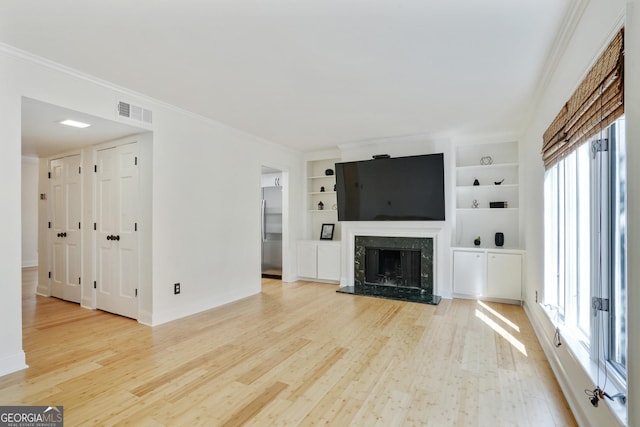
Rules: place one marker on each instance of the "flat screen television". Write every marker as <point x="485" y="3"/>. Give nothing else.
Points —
<point x="391" y="189"/>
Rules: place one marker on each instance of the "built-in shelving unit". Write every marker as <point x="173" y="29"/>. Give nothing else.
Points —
<point x="317" y="180"/>
<point x="495" y="167"/>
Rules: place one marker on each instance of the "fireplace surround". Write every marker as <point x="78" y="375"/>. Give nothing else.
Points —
<point x="395" y="267"/>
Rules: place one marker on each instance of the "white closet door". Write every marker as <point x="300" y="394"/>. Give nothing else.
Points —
<point x="64" y="232"/>
<point x="116" y="239"/>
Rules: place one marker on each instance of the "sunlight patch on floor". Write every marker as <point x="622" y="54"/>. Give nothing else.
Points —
<point x="499" y="316"/>
<point x="502" y="332"/>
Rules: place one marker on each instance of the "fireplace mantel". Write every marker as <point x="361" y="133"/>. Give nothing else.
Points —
<point x="386" y="229"/>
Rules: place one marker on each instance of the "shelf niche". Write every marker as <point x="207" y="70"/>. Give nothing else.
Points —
<point x="316" y="179"/>
<point x="488" y="164"/>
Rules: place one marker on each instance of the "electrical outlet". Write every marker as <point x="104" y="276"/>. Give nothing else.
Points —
<point x="176" y="288"/>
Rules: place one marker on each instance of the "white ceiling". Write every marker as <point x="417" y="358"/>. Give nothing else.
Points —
<point x="309" y="74"/>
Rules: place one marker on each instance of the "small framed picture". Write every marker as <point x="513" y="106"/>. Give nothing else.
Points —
<point x="326" y="233"/>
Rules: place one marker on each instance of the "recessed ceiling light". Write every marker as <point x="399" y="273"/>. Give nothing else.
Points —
<point x="75" y="124"/>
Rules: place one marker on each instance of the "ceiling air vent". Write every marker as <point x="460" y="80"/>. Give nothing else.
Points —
<point x="134" y="112"/>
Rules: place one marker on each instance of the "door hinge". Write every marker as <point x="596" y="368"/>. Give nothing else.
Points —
<point x="49" y="175"/>
<point x="49" y="275"/>
<point x="135" y="161"/>
<point x="79" y="227"/>
<point x="79" y="169"/>
<point x="136" y="292"/>
<point x="599" y="145"/>
<point x="135" y="226"/>
<point x="95" y="226"/>
<point x="49" y="224"/>
<point x="95" y="168"/>
<point x="599" y="304"/>
<point x="79" y="281"/>
<point x="95" y="285"/>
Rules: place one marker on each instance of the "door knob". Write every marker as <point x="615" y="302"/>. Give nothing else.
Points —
<point x="109" y="237"/>
<point x="117" y="237"/>
<point x="64" y="234"/>
<point x="59" y="234"/>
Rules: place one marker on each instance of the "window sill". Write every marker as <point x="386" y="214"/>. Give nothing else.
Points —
<point x="580" y="354"/>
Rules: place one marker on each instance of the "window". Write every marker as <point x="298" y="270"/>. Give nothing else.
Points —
<point x="585" y="245"/>
<point x="618" y="248"/>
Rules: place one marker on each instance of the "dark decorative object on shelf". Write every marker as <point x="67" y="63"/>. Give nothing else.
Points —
<point x="326" y="232"/>
<point x="334" y="187"/>
<point x="322" y="189"/>
<point x="475" y="204"/>
<point x="477" y="241"/>
<point x="503" y="205"/>
<point x="476" y="182"/>
<point x="328" y="172"/>
<point x="320" y="206"/>
<point x="499" y="239"/>
<point x="498" y="182"/>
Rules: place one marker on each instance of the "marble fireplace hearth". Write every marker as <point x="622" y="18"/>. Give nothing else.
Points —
<point x="394" y="267"/>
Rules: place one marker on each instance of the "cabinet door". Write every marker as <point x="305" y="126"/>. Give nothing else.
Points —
<point x="504" y="276"/>
<point x="307" y="264"/>
<point x="469" y="273"/>
<point x="329" y="262"/>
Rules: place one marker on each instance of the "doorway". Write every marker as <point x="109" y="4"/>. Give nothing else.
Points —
<point x="64" y="228"/>
<point x="271" y="218"/>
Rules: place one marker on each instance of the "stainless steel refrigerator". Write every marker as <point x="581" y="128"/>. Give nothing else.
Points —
<point x="271" y="211"/>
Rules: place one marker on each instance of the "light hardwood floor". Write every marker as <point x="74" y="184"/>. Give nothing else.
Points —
<point x="297" y="354"/>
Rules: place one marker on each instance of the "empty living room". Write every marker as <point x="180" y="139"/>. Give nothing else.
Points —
<point x="320" y="213"/>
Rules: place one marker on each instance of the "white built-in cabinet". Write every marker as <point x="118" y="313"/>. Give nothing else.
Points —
<point x="486" y="174"/>
<point x="319" y="260"/>
<point x="491" y="273"/>
<point x="271" y="180"/>
<point x="504" y="275"/>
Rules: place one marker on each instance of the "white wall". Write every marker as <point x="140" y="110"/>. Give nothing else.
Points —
<point x="205" y="202"/>
<point x="600" y="21"/>
<point x="30" y="196"/>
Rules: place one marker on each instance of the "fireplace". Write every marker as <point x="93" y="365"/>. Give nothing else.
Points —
<point x="394" y="267"/>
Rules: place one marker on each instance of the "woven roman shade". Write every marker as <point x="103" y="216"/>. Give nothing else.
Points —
<point x="597" y="102"/>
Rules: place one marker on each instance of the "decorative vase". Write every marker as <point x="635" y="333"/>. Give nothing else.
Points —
<point x="322" y="189"/>
<point x="328" y="172"/>
<point x="499" y="239"/>
<point x="320" y="206"/>
<point x="477" y="241"/>
<point x="476" y="182"/>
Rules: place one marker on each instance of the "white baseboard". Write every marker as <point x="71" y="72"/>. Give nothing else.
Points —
<point x="13" y="363"/>
<point x="569" y="373"/>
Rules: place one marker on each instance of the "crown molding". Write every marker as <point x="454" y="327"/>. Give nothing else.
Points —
<point x="571" y="18"/>
<point x="129" y="94"/>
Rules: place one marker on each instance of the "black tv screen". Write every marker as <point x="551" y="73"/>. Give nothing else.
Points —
<point x="391" y="189"/>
